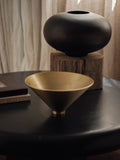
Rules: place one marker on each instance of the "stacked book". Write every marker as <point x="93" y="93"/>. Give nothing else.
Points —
<point x="12" y="89"/>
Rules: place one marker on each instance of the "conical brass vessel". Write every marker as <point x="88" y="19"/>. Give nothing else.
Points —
<point x="59" y="89"/>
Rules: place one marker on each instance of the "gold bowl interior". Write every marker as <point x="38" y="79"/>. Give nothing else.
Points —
<point x="59" y="89"/>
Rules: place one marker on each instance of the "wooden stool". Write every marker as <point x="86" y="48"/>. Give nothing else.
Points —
<point x="91" y="65"/>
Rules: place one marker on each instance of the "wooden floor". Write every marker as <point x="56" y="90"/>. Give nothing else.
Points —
<point x="108" y="156"/>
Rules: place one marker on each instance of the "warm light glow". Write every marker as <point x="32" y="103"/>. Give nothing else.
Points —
<point x="78" y="1"/>
<point x="113" y="4"/>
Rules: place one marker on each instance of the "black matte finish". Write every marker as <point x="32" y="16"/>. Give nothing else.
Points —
<point x="77" y="33"/>
<point x="91" y="125"/>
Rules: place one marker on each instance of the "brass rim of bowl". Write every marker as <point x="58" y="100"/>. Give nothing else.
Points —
<point x="52" y="90"/>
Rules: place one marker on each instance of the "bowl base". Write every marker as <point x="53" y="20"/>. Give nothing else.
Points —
<point x="55" y="113"/>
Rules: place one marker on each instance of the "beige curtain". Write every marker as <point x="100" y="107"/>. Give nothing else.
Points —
<point x="22" y="44"/>
<point x="20" y="34"/>
<point x="112" y="51"/>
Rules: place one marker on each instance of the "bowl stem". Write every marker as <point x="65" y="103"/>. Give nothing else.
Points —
<point x="55" y="113"/>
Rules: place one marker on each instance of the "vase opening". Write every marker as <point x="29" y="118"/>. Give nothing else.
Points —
<point x="78" y="12"/>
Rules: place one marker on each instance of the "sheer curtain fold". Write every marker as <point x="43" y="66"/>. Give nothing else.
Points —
<point x="20" y="35"/>
<point x="96" y="6"/>
<point x="5" y="34"/>
<point x="112" y="51"/>
<point x="22" y="44"/>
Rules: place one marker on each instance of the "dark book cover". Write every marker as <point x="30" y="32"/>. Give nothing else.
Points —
<point x="11" y="85"/>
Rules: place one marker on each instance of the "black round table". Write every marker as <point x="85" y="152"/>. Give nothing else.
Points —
<point x="91" y="125"/>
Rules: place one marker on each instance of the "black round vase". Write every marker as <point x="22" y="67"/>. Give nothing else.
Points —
<point x="77" y="33"/>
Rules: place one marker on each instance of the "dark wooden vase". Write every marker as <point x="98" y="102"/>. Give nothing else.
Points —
<point x="77" y="33"/>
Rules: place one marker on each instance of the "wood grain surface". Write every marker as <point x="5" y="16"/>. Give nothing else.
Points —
<point x="90" y="65"/>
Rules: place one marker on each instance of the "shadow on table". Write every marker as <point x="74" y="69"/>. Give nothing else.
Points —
<point x="14" y="106"/>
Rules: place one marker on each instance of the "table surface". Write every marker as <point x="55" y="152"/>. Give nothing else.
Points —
<point x="91" y="124"/>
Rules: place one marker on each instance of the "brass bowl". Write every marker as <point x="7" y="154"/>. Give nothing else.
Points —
<point x="59" y="89"/>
